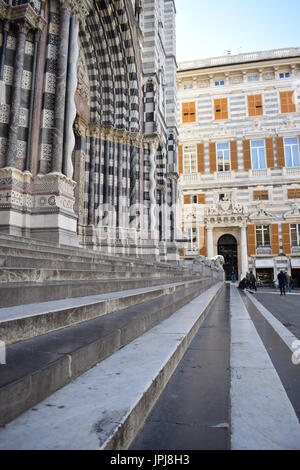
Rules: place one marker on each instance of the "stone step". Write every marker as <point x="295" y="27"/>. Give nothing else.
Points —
<point x="25" y="293"/>
<point x="38" y="367"/>
<point x="41" y="275"/>
<point x="24" y="322"/>
<point x="60" y="254"/>
<point x="16" y="245"/>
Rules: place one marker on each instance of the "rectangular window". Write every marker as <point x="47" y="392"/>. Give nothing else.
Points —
<point x="220" y="83"/>
<point x="258" y="155"/>
<point x="261" y="195"/>
<point x="294" y="194"/>
<point x="263" y="235"/>
<point x="221" y="108"/>
<point x="295" y="234"/>
<point x="284" y="75"/>
<point x="291" y="152"/>
<point x="189" y="112"/>
<point x="253" y="78"/>
<point x="287" y="102"/>
<point x="190" y="159"/>
<point x="223" y="157"/>
<point x="255" y="105"/>
<point x="187" y="86"/>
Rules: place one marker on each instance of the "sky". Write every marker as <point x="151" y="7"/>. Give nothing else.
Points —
<point x="209" y="28"/>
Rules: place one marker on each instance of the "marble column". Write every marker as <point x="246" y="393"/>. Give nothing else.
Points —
<point x="210" y="243"/>
<point x="16" y="98"/>
<point x="132" y="196"/>
<point x="69" y="138"/>
<point x="105" y="182"/>
<point x="152" y="188"/>
<point x="61" y="83"/>
<point x="32" y="100"/>
<point x="120" y="186"/>
<point x="244" y="253"/>
<point x="91" y="217"/>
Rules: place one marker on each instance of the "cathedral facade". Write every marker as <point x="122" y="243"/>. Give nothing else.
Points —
<point x="88" y="144"/>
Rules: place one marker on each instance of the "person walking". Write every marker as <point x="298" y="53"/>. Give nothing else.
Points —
<point x="253" y="285"/>
<point x="288" y="283"/>
<point x="282" y="282"/>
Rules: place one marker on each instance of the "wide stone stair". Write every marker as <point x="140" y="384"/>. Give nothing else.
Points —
<point x="64" y="311"/>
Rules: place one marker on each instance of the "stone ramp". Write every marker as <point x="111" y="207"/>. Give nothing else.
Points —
<point x="106" y="406"/>
<point x="43" y="364"/>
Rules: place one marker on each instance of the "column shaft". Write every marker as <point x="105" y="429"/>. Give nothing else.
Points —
<point x="152" y="189"/>
<point x="210" y="243"/>
<point x="132" y="197"/>
<point x="244" y="252"/>
<point x="60" y="101"/>
<point x="69" y="138"/>
<point x="91" y="218"/>
<point x="16" y="101"/>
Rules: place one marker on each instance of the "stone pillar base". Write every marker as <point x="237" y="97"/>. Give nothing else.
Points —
<point x="172" y="253"/>
<point x="40" y="207"/>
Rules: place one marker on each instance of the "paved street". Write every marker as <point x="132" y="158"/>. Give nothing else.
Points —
<point x="285" y="309"/>
<point x="239" y="352"/>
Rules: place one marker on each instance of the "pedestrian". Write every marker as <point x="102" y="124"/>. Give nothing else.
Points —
<point x="282" y="282"/>
<point x="248" y="275"/>
<point x="233" y="275"/>
<point x="253" y="285"/>
<point x="243" y="284"/>
<point x="288" y="283"/>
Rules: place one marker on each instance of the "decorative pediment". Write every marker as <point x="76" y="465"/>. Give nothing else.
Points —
<point x="294" y="214"/>
<point x="261" y="215"/>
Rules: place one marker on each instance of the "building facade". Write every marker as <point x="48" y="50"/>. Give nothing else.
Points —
<point x="239" y="161"/>
<point x="88" y="141"/>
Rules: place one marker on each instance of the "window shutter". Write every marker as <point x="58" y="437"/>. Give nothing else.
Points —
<point x="270" y="153"/>
<point x="280" y="152"/>
<point x="255" y="105"/>
<point x="247" y="155"/>
<point x="212" y="157"/>
<point x="187" y="199"/>
<point x="201" y="198"/>
<point x="200" y="158"/>
<point x="180" y="158"/>
<point x="234" y="155"/>
<point x="275" y="239"/>
<point x="286" y="239"/>
<point x="251" y="240"/>
<point x="287" y="102"/>
<point x="202" y="241"/>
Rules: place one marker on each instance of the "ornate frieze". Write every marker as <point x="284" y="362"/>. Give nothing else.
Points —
<point x="78" y="8"/>
<point x="226" y="213"/>
<point x="24" y="14"/>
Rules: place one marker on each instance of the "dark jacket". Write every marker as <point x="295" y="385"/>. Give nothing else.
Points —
<point x="281" y="278"/>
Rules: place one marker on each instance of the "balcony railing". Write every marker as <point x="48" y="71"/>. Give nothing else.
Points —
<point x="291" y="172"/>
<point x="264" y="250"/>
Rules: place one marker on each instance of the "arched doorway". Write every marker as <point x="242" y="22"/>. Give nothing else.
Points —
<point x="228" y="248"/>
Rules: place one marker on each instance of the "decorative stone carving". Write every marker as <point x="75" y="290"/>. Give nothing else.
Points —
<point x="78" y="8"/>
<point x="83" y="87"/>
<point x="293" y="214"/>
<point x="226" y="213"/>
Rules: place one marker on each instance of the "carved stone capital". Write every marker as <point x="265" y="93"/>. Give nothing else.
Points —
<point x="78" y="8"/>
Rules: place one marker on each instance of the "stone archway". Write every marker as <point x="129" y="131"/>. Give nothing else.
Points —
<point x="228" y="248"/>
